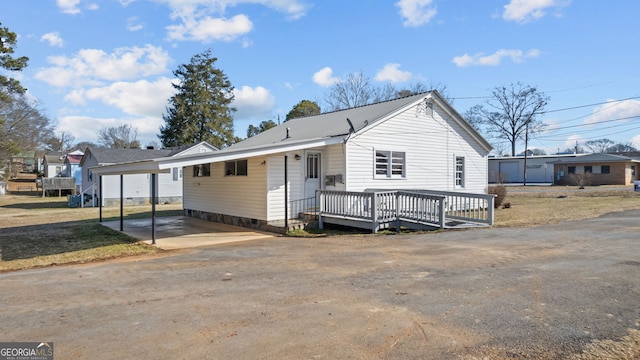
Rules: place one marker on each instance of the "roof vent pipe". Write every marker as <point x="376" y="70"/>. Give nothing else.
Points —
<point x="288" y="133"/>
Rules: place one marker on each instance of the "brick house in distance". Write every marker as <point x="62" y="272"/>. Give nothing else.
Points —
<point x="605" y="169"/>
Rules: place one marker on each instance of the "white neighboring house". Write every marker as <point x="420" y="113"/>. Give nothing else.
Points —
<point x="53" y="165"/>
<point x="415" y="142"/>
<point x="137" y="187"/>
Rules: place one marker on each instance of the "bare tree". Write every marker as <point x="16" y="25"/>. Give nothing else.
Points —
<point x="60" y="143"/>
<point x="512" y="113"/>
<point x="598" y="146"/>
<point x="123" y="136"/>
<point x="358" y="90"/>
<point x="23" y="126"/>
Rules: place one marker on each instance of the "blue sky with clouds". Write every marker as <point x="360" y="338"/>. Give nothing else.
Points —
<point x="103" y="63"/>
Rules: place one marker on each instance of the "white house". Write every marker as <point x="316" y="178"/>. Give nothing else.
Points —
<point x="415" y="142"/>
<point x="53" y="165"/>
<point x="137" y="188"/>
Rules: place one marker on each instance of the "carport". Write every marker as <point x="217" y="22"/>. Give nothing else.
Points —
<point x="175" y="232"/>
<point x="178" y="232"/>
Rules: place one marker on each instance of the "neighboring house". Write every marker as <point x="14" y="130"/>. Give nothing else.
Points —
<point x="53" y="165"/>
<point x="71" y="167"/>
<point x="137" y="187"/>
<point x="23" y="162"/>
<point x="416" y="142"/>
<point x="605" y="169"/>
<point x="510" y="169"/>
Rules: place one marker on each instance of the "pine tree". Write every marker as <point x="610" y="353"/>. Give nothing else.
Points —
<point x="201" y="108"/>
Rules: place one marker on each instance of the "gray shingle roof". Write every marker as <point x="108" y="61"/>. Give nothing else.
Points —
<point x="327" y="124"/>
<point x="112" y="156"/>
<point x="593" y="158"/>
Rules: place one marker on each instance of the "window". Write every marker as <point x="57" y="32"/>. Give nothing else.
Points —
<point x="202" y="170"/>
<point x="390" y="164"/>
<point x="459" y="175"/>
<point x="605" y="169"/>
<point x="235" y="168"/>
<point x="313" y="166"/>
<point x="588" y="169"/>
<point x="177" y="173"/>
<point x="571" y="170"/>
<point x="89" y="175"/>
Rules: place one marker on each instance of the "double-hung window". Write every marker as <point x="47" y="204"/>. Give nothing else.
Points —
<point x="235" y="168"/>
<point x="459" y="171"/>
<point x="390" y="164"/>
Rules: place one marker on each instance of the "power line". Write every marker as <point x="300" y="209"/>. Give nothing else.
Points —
<point x="594" y="104"/>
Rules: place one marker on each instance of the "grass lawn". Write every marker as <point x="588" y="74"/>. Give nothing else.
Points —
<point x="36" y="231"/>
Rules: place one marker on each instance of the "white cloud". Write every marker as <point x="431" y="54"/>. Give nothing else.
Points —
<point x="87" y="128"/>
<point x="324" y="77"/>
<point x="253" y="102"/>
<point x="207" y="29"/>
<point x="69" y="6"/>
<point x="614" y="110"/>
<point x="53" y="38"/>
<point x="392" y="73"/>
<point x="140" y="98"/>
<point x="523" y="11"/>
<point x="416" y="12"/>
<point x="134" y="24"/>
<point x="205" y="20"/>
<point x="94" y="66"/>
<point x="573" y="139"/>
<point x="72" y="6"/>
<point x="635" y="141"/>
<point x="480" y="59"/>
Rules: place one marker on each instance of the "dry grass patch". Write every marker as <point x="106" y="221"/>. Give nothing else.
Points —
<point x="555" y="205"/>
<point x="40" y="232"/>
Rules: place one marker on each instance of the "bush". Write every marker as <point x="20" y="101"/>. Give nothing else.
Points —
<point x="500" y="192"/>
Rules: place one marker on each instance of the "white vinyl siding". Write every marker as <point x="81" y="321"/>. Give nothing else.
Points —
<point x="275" y="184"/>
<point x="429" y="142"/>
<point x="243" y="196"/>
<point x="334" y="165"/>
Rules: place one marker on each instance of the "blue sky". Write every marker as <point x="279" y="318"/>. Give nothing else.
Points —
<point x="104" y="63"/>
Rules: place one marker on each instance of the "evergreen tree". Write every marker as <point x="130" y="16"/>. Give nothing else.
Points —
<point x="201" y="108"/>
<point x="302" y="109"/>
<point x="9" y="86"/>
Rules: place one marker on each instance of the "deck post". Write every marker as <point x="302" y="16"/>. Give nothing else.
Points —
<point x="490" y="205"/>
<point x="374" y="210"/>
<point x="320" y="209"/>
<point x="441" y="217"/>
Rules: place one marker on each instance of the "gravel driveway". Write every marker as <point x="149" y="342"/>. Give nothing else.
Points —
<point x="500" y="293"/>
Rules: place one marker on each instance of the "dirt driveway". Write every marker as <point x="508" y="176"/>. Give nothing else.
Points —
<point x="499" y="293"/>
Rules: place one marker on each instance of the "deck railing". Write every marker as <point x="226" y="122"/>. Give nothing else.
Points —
<point x="301" y="207"/>
<point x="477" y="208"/>
<point x="394" y="208"/>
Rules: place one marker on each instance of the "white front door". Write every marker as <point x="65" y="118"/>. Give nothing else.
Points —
<point x="313" y="173"/>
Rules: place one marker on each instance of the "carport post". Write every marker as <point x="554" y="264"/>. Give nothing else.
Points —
<point x="99" y="195"/>
<point x="286" y="196"/>
<point x="121" y="202"/>
<point x="153" y="208"/>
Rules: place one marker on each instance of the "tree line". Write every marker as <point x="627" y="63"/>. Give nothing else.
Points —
<point x="201" y="110"/>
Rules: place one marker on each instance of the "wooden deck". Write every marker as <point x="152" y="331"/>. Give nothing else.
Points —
<point x="414" y="209"/>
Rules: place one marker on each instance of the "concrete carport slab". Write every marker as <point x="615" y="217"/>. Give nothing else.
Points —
<point x="178" y="232"/>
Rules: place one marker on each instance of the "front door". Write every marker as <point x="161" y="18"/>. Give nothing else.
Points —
<point x="313" y="173"/>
